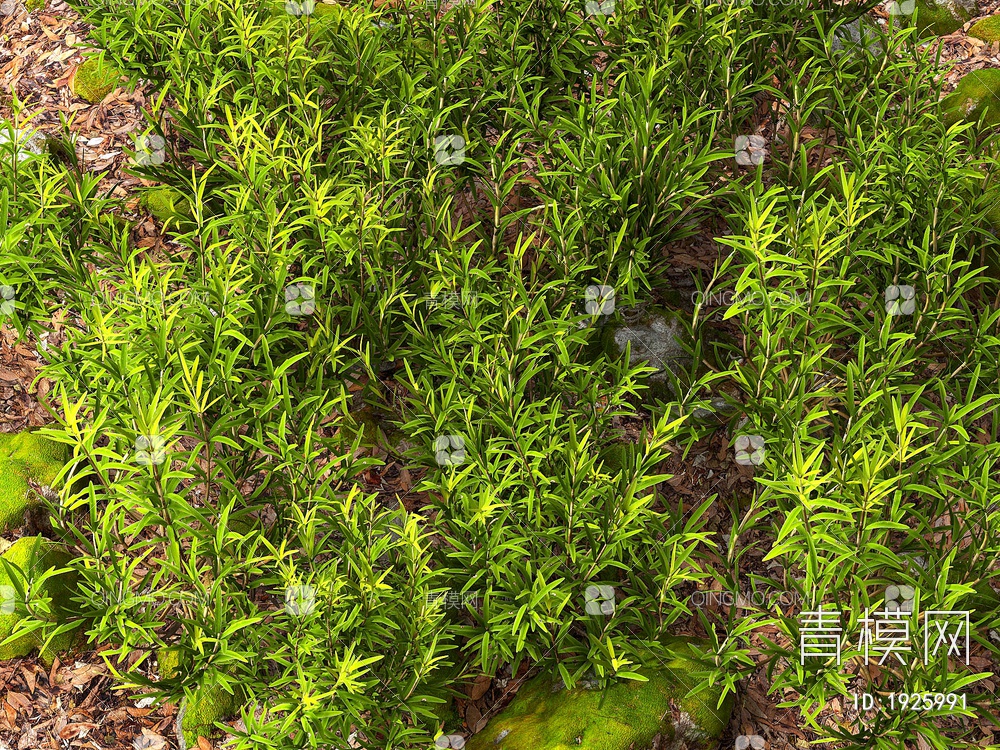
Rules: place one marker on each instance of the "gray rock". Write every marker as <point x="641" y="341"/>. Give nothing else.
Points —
<point x="854" y="36"/>
<point x="657" y="338"/>
<point x="958" y="7"/>
<point x="718" y="410"/>
<point x="29" y="143"/>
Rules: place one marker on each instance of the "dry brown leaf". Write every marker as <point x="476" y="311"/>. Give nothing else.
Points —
<point x="479" y="687"/>
<point x="149" y="741"/>
<point x="76" y="730"/>
<point x="29" y="678"/>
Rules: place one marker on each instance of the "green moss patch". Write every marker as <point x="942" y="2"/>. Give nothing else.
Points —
<point x="628" y="715"/>
<point x="976" y="95"/>
<point x="210" y="703"/>
<point x="95" y="79"/>
<point x="332" y="11"/>
<point x="32" y="556"/>
<point x="167" y="204"/>
<point x="988" y="29"/>
<point x="943" y="17"/>
<point x="25" y="458"/>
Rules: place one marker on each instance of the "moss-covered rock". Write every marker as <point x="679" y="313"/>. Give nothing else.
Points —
<point x="95" y="79"/>
<point x="942" y="16"/>
<point x="32" y="556"/>
<point x="977" y="94"/>
<point x="987" y="29"/>
<point x="26" y="459"/>
<point x="626" y="716"/>
<point x="210" y="703"/>
<point x="168" y="204"/>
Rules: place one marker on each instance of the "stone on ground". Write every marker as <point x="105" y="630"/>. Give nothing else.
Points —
<point x="942" y="17"/>
<point x="855" y="37"/>
<point x="977" y="93"/>
<point x="987" y="29"/>
<point x="26" y="458"/>
<point x="627" y="716"/>
<point x="95" y="79"/>
<point x="210" y="703"/>
<point x="32" y="556"/>
<point x="26" y="143"/>
<point x="167" y="204"/>
<point x="658" y="338"/>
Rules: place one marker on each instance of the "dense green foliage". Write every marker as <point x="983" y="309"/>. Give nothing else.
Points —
<point x="211" y="392"/>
